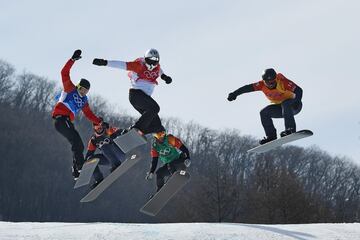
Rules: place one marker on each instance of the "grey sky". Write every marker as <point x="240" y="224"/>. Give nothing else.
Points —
<point x="209" y="48"/>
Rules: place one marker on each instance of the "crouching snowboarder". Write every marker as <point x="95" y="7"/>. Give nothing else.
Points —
<point x="172" y="152"/>
<point x="285" y="96"/>
<point x="110" y="154"/>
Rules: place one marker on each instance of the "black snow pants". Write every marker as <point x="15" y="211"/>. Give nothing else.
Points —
<point x="111" y="156"/>
<point x="287" y="109"/>
<point x="167" y="170"/>
<point x="149" y="122"/>
<point x="66" y="128"/>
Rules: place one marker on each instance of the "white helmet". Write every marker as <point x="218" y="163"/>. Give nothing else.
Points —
<point x="152" y="58"/>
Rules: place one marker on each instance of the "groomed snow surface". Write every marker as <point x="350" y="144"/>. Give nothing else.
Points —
<point x="176" y="231"/>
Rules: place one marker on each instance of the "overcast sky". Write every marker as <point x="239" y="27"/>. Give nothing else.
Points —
<point x="209" y="48"/>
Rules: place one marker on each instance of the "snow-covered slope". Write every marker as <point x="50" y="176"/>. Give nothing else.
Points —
<point x="178" y="231"/>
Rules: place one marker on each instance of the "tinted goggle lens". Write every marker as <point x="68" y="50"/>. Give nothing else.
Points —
<point x="151" y="61"/>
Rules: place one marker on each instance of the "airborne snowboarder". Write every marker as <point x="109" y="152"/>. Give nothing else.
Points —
<point x="172" y="153"/>
<point x="111" y="154"/>
<point x="143" y="73"/>
<point x="71" y="100"/>
<point x="286" y="98"/>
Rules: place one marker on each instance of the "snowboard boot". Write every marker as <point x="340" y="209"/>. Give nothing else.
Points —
<point x="75" y="172"/>
<point x="267" y="139"/>
<point x="126" y="130"/>
<point x="76" y="169"/>
<point x="287" y="132"/>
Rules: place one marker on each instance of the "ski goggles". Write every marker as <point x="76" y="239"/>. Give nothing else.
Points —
<point x="152" y="61"/>
<point x="270" y="83"/>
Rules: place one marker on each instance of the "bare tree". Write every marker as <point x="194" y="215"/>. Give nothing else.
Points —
<point x="6" y="80"/>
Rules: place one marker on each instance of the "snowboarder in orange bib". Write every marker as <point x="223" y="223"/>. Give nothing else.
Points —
<point x="286" y="98"/>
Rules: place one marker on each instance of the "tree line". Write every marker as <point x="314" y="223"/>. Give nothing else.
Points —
<point x="289" y="185"/>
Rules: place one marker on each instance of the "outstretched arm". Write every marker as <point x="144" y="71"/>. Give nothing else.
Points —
<point x="244" y="89"/>
<point x="65" y="76"/>
<point x="116" y="64"/>
<point x="65" y="72"/>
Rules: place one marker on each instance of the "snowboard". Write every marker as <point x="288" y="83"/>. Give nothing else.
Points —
<point x="178" y="180"/>
<point x="280" y="141"/>
<point x="135" y="156"/>
<point x="130" y="140"/>
<point x="86" y="172"/>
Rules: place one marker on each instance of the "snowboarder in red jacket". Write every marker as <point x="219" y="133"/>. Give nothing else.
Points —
<point x="143" y="73"/>
<point x="70" y="102"/>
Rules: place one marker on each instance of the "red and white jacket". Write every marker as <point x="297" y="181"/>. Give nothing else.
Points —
<point x="141" y="77"/>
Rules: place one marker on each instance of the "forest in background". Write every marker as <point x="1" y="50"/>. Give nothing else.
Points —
<point x="289" y="185"/>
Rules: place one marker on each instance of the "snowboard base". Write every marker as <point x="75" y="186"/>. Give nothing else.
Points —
<point x="136" y="156"/>
<point x="176" y="182"/>
<point x="280" y="141"/>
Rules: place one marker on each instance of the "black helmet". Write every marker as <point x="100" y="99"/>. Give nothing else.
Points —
<point x="269" y="74"/>
<point x="84" y="83"/>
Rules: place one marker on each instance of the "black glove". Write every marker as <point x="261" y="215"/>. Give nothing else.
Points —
<point x="166" y="78"/>
<point x="232" y="96"/>
<point x="100" y="62"/>
<point x="149" y="176"/>
<point x="76" y="55"/>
